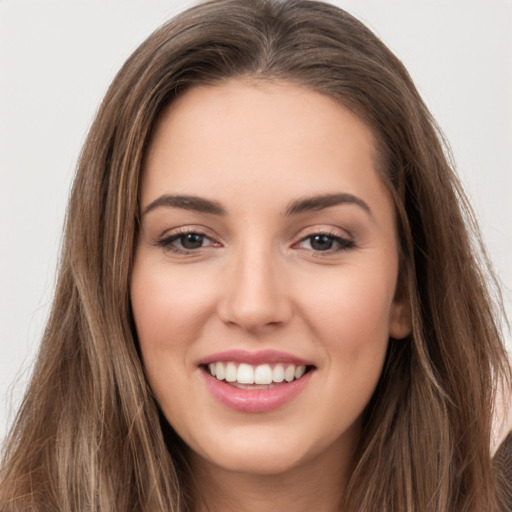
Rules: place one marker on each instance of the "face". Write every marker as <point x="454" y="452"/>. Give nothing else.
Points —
<point x="263" y="286"/>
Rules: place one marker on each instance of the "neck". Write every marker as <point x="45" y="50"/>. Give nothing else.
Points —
<point x="313" y="485"/>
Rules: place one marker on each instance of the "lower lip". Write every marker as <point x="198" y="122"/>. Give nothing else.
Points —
<point x="255" y="400"/>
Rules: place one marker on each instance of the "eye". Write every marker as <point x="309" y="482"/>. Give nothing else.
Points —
<point x="325" y="242"/>
<point x="185" y="242"/>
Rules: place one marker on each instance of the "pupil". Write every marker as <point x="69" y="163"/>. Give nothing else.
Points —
<point x="192" y="241"/>
<point x="321" y="242"/>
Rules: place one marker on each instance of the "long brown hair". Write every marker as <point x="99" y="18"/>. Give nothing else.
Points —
<point x="89" y="435"/>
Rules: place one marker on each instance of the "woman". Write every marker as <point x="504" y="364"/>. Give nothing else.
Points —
<point x="269" y="294"/>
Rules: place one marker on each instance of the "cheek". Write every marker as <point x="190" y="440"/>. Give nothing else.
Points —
<point x="353" y="308"/>
<point x="350" y="322"/>
<point x="170" y="310"/>
<point x="167" y="306"/>
<point x="348" y="317"/>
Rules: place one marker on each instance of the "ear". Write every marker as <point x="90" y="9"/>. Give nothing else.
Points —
<point x="400" y="322"/>
<point x="400" y="316"/>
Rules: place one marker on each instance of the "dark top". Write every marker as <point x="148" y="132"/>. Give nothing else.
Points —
<point x="503" y="463"/>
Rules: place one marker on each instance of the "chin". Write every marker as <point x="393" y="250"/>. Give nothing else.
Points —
<point x="258" y="462"/>
<point x="257" y="453"/>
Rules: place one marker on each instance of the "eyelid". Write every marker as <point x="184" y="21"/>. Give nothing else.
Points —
<point x="345" y="242"/>
<point x="185" y="230"/>
<point x="165" y="240"/>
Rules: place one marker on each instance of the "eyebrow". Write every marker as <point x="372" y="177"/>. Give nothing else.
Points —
<point x="320" y="202"/>
<point x="198" y="204"/>
<point x="302" y="205"/>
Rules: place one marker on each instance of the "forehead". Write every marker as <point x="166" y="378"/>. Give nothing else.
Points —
<point x="240" y="139"/>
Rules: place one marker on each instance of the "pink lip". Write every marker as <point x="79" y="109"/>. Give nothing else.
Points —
<point x="254" y="358"/>
<point x="255" y="400"/>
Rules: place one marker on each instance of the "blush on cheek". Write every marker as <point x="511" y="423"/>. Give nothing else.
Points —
<point x="165" y="310"/>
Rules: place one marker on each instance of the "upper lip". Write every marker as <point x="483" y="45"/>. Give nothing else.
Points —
<point x="254" y="358"/>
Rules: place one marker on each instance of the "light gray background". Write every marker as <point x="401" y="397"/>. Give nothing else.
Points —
<point x="58" y="57"/>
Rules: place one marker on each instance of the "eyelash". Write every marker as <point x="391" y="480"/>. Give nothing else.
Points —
<point x="167" y="242"/>
<point x="343" y="243"/>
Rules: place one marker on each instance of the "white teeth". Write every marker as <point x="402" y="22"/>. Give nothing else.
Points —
<point x="278" y="373"/>
<point x="300" y="371"/>
<point x="220" y="371"/>
<point x="245" y="374"/>
<point x="289" y="373"/>
<point x="263" y="374"/>
<point x="231" y="372"/>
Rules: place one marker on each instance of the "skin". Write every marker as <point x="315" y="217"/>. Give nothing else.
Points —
<point x="258" y="282"/>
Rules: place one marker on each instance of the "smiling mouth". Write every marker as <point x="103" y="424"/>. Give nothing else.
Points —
<point x="262" y="376"/>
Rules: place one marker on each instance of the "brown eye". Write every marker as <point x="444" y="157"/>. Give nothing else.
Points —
<point x="321" y="242"/>
<point x="185" y="242"/>
<point x="325" y="242"/>
<point x="191" y="241"/>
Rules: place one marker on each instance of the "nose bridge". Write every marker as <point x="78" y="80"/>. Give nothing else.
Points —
<point x="256" y="295"/>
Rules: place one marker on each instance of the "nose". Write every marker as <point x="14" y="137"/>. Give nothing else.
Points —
<point x="256" y="296"/>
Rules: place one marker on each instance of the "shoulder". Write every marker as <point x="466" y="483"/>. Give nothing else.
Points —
<point x="502" y="423"/>
<point x="503" y="455"/>
<point x="502" y="463"/>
